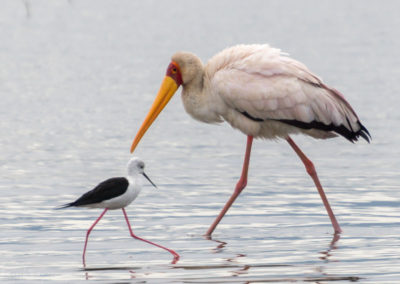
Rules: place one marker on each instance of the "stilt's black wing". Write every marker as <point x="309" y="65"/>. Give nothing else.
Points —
<point x="107" y="189"/>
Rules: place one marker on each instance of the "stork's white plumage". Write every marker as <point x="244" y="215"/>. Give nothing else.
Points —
<point x="263" y="93"/>
<point x="256" y="87"/>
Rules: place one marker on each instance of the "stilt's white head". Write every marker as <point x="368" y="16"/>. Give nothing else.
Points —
<point x="136" y="167"/>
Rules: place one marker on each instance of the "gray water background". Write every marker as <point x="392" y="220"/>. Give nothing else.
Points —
<point x="77" y="79"/>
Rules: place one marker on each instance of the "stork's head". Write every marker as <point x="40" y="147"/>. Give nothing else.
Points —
<point x="182" y="70"/>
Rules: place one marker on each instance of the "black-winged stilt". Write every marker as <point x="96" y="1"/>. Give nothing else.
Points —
<point x="116" y="193"/>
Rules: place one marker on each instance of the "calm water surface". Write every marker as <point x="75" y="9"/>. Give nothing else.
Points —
<point x="78" y="77"/>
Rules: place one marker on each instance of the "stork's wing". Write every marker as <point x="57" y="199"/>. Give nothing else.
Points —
<point x="282" y="89"/>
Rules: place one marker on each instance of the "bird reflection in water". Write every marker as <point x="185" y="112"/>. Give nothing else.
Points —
<point x="239" y="269"/>
<point x="326" y="254"/>
<point x="233" y="261"/>
<point x="220" y="247"/>
<point x="242" y="269"/>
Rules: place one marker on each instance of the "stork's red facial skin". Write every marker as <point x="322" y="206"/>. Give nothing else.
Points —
<point x="174" y="72"/>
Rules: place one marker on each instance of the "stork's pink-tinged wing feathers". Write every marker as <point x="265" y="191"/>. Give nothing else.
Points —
<point x="264" y="85"/>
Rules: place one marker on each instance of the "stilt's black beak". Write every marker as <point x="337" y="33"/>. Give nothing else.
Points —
<point x="149" y="180"/>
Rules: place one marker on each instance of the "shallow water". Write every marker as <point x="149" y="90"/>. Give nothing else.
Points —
<point x="78" y="77"/>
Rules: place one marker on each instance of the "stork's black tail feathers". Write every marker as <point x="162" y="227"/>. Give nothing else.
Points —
<point x="342" y="130"/>
<point x="363" y="132"/>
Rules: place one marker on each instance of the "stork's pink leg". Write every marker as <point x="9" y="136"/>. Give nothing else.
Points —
<point x="238" y="189"/>
<point x="88" y="233"/>
<point x="176" y="256"/>
<point x="312" y="172"/>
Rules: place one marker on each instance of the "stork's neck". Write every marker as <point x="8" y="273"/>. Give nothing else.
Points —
<point x="195" y="85"/>
<point x="198" y="101"/>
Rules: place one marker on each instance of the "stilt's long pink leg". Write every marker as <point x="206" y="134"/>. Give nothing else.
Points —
<point x="238" y="189"/>
<point x="88" y="233"/>
<point x="312" y="172"/>
<point x="176" y="256"/>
